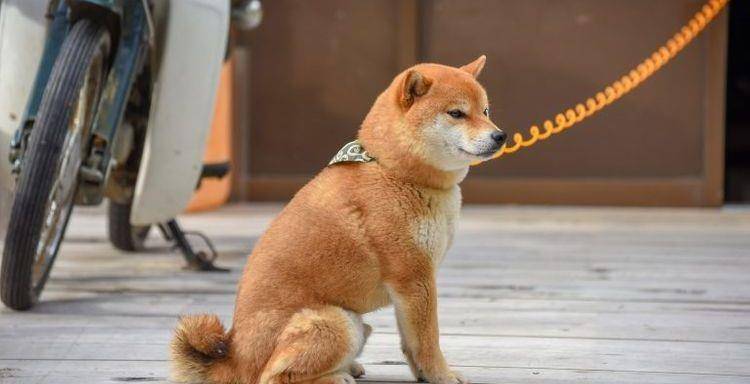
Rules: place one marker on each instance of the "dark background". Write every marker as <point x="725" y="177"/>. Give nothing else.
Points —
<point x="738" y="105"/>
<point x="309" y="73"/>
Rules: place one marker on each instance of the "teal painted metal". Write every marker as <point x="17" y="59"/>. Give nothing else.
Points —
<point x="128" y="60"/>
<point x="55" y="37"/>
<point x="113" y="5"/>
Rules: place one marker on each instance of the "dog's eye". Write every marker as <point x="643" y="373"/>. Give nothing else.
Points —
<point x="486" y="111"/>
<point x="456" y="114"/>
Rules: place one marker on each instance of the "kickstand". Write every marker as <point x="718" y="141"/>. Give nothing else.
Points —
<point x="197" y="261"/>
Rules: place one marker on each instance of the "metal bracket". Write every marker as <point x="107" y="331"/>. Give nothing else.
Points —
<point x="197" y="261"/>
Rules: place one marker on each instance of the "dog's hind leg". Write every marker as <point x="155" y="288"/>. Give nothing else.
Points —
<point x="317" y="346"/>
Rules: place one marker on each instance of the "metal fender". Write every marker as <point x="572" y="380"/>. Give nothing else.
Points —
<point x="182" y="109"/>
<point x="23" y="29"/>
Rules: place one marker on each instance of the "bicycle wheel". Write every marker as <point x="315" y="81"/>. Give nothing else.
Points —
<point x="123" y="235"/>
<point x="47" y="183"/>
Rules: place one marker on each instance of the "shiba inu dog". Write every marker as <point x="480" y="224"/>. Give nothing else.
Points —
<point x="358" y="237"/>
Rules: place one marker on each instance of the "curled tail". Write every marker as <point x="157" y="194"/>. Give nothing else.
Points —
<point x="200" y="344"/>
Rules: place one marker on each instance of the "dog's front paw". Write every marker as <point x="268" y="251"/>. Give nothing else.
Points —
<point x="356" y="369"/>
<point x="460" y="377"/>
<point x="450" y="377"/>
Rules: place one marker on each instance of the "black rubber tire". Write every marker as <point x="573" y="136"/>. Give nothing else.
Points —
<point x="123" y="235"/>
<point x="41" y="165"/>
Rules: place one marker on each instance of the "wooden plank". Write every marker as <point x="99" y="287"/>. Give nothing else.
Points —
<point x="563" y="295"/>
<point x="731" y="328"/>
<point x="76" y="372"/>
<point x="715" y="106"/>
<point x="408" y="34"/>
<point x="462" y="283"/>
<point x="478" y="351"/>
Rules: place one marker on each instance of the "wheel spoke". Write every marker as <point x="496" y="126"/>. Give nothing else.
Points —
<point x="62" y="193"/>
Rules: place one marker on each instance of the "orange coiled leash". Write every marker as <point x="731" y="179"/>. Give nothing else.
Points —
<point x="620" y="87"/>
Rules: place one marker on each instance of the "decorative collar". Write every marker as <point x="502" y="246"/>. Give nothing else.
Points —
<point x="351" y="152"/>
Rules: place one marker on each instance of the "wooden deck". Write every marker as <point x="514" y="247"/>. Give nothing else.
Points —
<point x="527" y="295"/>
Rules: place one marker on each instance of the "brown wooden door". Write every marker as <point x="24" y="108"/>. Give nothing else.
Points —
<point x="316" y="67"/>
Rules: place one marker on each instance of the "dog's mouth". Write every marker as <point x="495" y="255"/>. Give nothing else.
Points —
<point x="483" y="154"/>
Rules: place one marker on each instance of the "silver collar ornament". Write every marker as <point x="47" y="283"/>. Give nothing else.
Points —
<point x="351" y="152"/>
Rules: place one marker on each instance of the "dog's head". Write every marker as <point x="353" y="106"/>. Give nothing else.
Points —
<point x="438" y="114"/>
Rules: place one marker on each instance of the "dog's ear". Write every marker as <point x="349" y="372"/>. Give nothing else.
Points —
<point x="413" y="85"/>
<point x="475" y="67"/>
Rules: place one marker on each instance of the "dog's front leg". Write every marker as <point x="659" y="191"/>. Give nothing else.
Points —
<point x="415" y="301"/>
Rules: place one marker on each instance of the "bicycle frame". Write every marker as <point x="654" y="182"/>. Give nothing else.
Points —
<point x="129" y="22"/>
<point x="171" y="162"/>
<point x="108" y="112"/>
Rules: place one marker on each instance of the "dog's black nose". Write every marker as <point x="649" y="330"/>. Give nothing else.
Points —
<point x="499" y="137"/>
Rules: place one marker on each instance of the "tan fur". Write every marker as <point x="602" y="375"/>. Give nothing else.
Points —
<point x="356" y="238"/>
<point x="199" y="342"/>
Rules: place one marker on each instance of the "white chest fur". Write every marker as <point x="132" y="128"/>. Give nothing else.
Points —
<point x="433" y="231"/>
